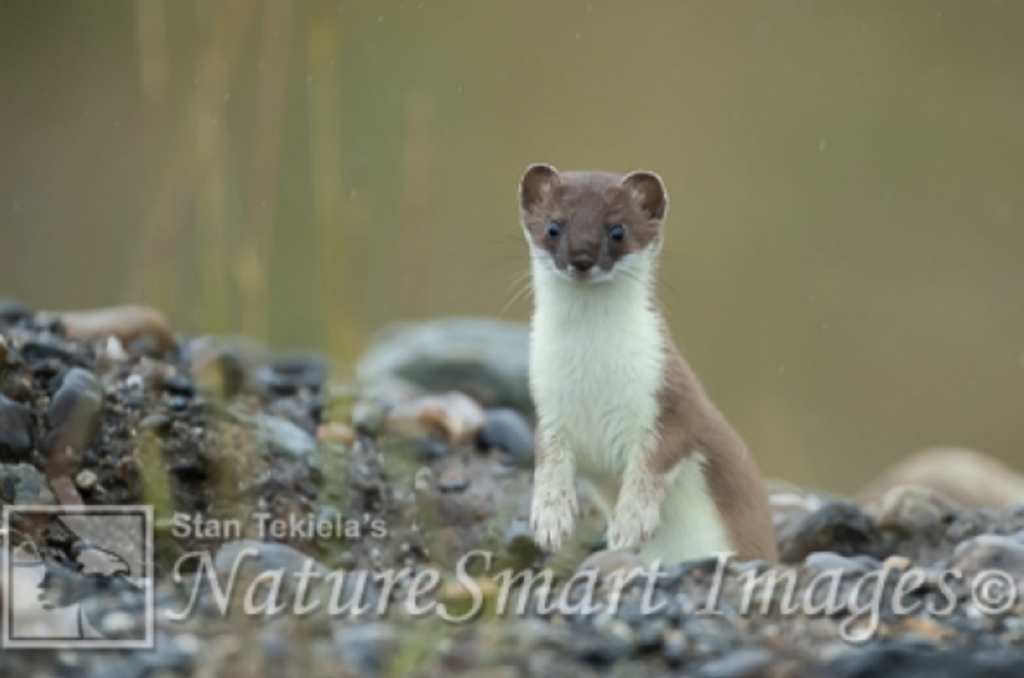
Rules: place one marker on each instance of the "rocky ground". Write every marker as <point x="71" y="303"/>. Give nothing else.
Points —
<point x="425" y="460"/>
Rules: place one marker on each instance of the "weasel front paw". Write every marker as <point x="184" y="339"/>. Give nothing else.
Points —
<point x="632" y="525"/>
<point x="552" y="516"/>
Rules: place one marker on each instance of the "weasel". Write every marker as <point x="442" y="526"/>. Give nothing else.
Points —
<point x="615" y="400"/>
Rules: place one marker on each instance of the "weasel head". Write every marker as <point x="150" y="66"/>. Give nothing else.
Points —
<point x="590" y="226"/>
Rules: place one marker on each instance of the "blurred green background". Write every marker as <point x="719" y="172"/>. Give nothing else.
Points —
<point x="845" y="256"/>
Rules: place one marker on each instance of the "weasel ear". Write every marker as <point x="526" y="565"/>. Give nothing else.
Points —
<point x="648" y="191"/>
<point x="537" y="182"/>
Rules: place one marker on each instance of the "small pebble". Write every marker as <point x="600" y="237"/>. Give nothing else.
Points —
<point x="897" y="563"/>
<point x="824" y="561"/>
<point x="86" y="480"/>
<point x="674" y="646"/>
<point x="179" y="385"/>
<point x="335" y="433"/>
<point x="368" y="416"/>
<point x="155" y="422"/>
<point x="453" y="479"/>
<point x="746" y="663"/>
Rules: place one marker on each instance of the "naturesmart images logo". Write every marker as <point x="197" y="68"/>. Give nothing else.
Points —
<point x="112" y="547"/>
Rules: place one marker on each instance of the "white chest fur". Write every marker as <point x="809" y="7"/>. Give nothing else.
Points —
<point x="596" y="369"/>
<point x="596" y="362"/>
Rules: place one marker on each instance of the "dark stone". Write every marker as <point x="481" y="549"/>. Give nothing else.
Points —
<point x="429" y="447"/>
<point x="180" y="385"/>
<point x="840" y="527"/>
<point x="899" y="661"/>
<point x="46" y="348"/>
<point x="15" y="431"/>
<point x="292" y="372"/>
<point x="509" y="431"/>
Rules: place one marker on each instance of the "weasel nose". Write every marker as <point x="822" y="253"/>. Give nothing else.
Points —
<point x="582" y="262"/>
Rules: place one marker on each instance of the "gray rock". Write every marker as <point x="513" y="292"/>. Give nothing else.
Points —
<point x="990" y="552"/>
<point x="255" y="557"/>
<point x="290" y="372"/>
<point x="23" y="484"/>
<point x="366" y="649"/>
<point x="484" y="358"/>
<point x="825" y="561"/>
<point x="74" y="415"/>
<point x="15" y="431"/>
<point x="284" y="438"/>
<point x="507" y="430"/>
<point x="609" y="562"/>
<point x="903" y="661"/>
<point x="841" y="527"/>
<point x="225" y="366"/>
<point x="746" y="663"/>
<point x="13" y="311"/>
<point x="369" y="415"/>
<point x="674" y="646"/>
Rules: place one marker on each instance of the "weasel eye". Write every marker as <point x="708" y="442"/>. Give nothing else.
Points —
<point x="554" y="229"/>
<point x="617" y="233"/>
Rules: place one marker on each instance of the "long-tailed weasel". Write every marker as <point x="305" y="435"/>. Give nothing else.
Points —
<point x="615" y="400"/>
